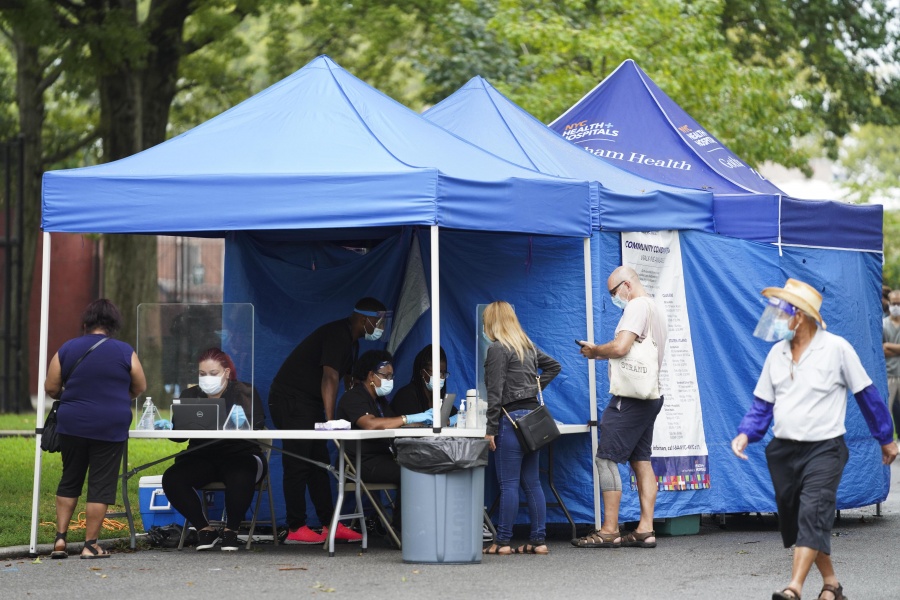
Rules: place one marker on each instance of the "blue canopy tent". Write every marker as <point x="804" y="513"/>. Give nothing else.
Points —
<point x="628" y="121"/>
<point x="294" y="177"/>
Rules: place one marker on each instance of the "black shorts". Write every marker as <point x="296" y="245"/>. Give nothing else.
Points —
<point x="99" y="460"/>
<point x="626" y="429"/>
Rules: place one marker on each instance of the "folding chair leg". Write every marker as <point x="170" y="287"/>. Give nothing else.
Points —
<point x="380" y="511"/>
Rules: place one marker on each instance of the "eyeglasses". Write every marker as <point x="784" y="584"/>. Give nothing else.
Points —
<point x="388" y="376"/>
<point x="443" y="374"/>
<point x="612" y="292"/>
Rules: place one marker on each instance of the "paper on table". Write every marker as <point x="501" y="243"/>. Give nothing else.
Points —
<point x="334" y="424"/>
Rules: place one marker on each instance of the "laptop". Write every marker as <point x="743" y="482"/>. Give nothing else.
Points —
<point x="203" y="414"/>
<point x="446" y="409"/>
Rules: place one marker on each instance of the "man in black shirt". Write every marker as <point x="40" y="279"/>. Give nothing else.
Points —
<point x="303" y="393"/>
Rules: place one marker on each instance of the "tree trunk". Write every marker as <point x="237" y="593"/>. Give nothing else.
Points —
<point x="31" y="121"/>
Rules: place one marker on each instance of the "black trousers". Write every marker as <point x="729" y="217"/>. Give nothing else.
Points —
<point x="298" y="476"/>
<point x="382" y="468"/>
<point x="239" y="474"/>
<point x="806" y="476"/>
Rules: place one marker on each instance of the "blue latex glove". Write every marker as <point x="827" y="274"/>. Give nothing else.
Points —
<point x="238" y="418"/>
<point x="422" y="417"/>
<point x="162" y="424"/>
<point x="453" y="420"/>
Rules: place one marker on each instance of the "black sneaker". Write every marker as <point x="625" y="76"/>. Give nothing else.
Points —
<point x="230" y="541"/>
<point x="207" y="539"/>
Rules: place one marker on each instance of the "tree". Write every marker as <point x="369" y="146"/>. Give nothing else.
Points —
<point x="870" y="161"/>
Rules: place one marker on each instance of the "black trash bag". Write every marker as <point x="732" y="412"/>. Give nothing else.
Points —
<point x="441" y="454"/>
<point x="169" y="536"/>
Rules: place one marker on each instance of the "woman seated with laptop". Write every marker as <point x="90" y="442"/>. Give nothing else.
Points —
<point x="365" y="406"/>
<point x="415" y="396"/>
<point x="239" y="464"/>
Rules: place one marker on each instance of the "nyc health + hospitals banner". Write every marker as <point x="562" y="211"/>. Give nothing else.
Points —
<point x="680" y="459"/>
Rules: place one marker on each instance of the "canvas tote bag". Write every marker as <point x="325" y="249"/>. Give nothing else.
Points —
<point x="636" y="375"/>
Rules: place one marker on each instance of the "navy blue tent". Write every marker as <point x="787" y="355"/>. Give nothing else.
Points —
<point x="629" y="121"/>
<point x="723" y="277"/>
<point x="321" y="186"/>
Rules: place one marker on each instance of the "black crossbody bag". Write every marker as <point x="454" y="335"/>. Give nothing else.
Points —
<point x="537" y="428"/>
<point x="49" y="435"/>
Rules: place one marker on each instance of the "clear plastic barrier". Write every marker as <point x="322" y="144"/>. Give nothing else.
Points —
<point x="170" y="340"/>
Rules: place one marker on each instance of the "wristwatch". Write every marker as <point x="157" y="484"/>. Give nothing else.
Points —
<point x="405" y="420"/>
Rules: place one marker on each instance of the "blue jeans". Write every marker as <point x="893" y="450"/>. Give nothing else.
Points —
<point x="514" y="466"/>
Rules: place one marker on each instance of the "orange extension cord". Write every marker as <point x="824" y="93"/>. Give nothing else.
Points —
<point x="81" y="523"/>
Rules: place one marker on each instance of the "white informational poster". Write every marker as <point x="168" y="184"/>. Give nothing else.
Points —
<point x="680" y="458"/>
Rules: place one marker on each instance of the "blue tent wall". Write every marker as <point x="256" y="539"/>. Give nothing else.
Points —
<point x="542" y="276"/>
<point x="723" y="278"/>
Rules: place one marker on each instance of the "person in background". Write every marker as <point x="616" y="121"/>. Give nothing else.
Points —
<point x="239" y="464"/>
<point x="304" y="392"/>
<point x="803" y="390"/>
<point x="365" y="406"/>
<point x="93" y="419"/>
<point x="514" y="368"/>
<point x="890" y="337"/>
<point x="885" y="300"/>
<point x="415" y="396"/>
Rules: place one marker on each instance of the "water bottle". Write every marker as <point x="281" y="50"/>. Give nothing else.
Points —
<point x="149" y="416"/>
<point x="461" y="415"/>
<point x="472" y="416"/>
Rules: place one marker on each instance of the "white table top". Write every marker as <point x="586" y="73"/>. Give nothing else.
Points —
<point x="335" y="434"/>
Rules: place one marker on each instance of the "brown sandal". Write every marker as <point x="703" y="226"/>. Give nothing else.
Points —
<point x="639" y="540"/>
<point x="782" y="595"/>
<point x="540" y="548"/>
<point x="598" y="539"/>
<point x="837" y="591"/>
<point x="496" y="549"/>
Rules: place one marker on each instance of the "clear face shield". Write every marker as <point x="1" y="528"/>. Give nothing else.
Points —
<point x="378" y="324"/>
<point x="773" y="324"/>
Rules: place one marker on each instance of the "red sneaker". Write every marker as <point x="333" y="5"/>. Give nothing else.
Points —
<point x="305" y="535"/>
<point x="343" y="534"/>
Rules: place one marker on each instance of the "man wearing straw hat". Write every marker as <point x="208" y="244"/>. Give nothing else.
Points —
<point x="803" y="388"/>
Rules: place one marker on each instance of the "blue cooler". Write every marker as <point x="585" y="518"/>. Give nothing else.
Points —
<point x="155" y="507"/>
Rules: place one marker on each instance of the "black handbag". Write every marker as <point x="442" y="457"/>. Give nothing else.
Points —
<point x="49" y="435"/>
<point x="537" y="428"/>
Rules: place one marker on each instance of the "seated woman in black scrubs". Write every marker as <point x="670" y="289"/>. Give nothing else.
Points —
<point x="415" y="396"/>
<point x="365" y="406"/>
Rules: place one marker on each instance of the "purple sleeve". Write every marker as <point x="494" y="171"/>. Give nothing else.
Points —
<point x="876" y="414"/>
<point x="757" y="420"/>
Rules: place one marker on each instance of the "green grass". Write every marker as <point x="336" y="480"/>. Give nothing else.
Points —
<point x="17" y="483"/>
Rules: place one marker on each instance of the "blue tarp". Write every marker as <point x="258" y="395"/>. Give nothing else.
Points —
<point x="630" y="122"/>
<point x="318" y="150"/>
<point x="723" y="278"/>
<point x="295" y="286"/>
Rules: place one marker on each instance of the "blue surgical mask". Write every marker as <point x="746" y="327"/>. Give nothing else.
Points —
<point x="429" y="383"/>
<point x="782" y="331"/>
<point x="386" y="387"/>
<point x="375" y="335"/>
<point x="619" y="302"/>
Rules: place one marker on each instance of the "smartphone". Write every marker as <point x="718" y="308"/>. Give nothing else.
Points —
<point x="580" y="342"/>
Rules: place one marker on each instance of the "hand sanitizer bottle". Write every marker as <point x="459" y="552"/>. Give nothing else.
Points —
<point x="461" y="415"/>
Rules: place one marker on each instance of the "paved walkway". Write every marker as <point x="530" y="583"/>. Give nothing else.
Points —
<point x="742" y="560"/>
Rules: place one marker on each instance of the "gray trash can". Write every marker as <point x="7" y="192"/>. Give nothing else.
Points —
<point x="442" y="487"/>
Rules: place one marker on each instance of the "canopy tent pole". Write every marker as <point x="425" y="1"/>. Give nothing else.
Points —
<point x="592" y="374"/>
<point x="41" y="395"/>
<point x="435" y="328"/>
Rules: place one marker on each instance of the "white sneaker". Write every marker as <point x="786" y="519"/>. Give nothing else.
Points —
<point x="486" y="535"/>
